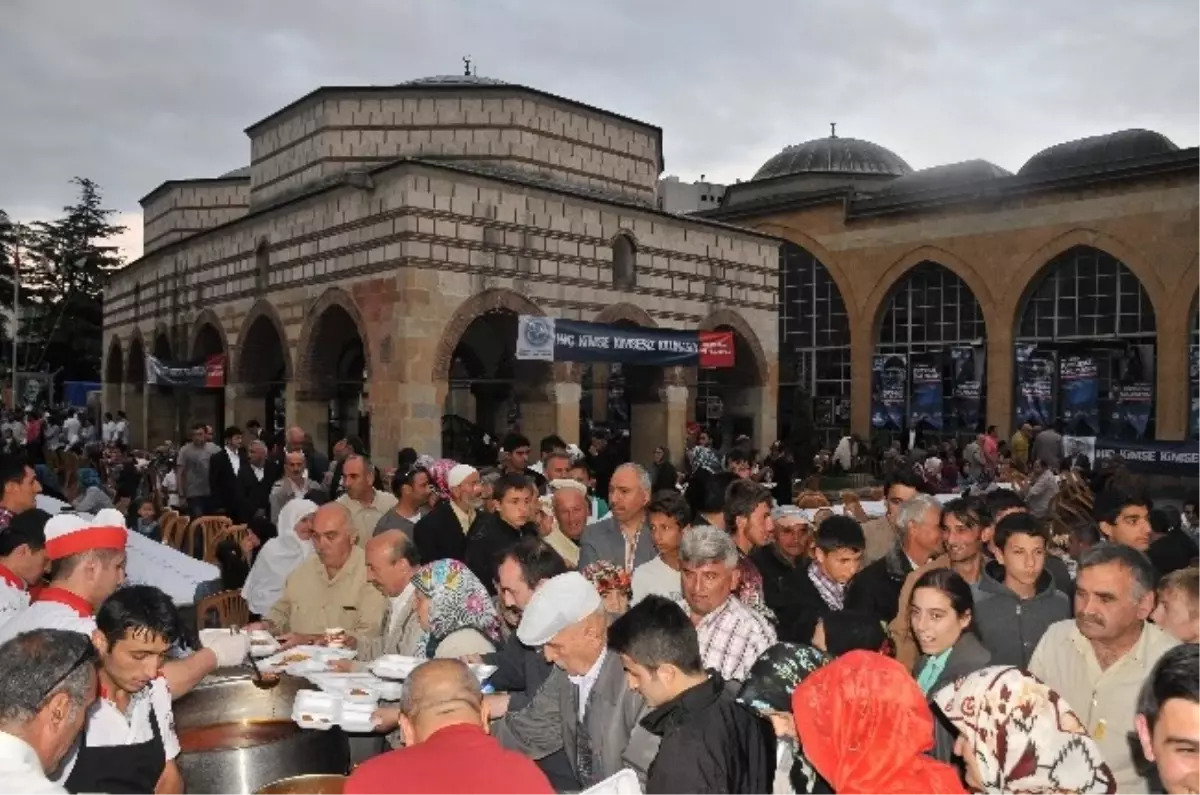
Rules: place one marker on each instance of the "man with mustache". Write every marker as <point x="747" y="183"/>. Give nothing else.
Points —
<point x="1098" y="661"/>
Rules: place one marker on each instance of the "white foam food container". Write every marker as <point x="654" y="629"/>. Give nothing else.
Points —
<point x="313" y="709"/>
<point x="356" y="718"/>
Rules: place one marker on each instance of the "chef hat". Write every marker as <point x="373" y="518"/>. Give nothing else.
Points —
<point x="68" y="534"/>
<point x="458" y="473"/>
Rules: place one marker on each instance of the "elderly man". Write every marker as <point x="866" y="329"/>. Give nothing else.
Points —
<point x="295" y="484"/>
<point x="256" y="488"/>
<point x="392" y="560"/>
<point x="442" y="533"/>
<point x="880" y="533"/>
<point x="732" y="636"/>
<point x="366" y="504"/>
<point x="877" y="588"/>
<point x="571" y="507"/>
<point x="47" y="685"/>
<point x="586" y="707"/>
<point x="1098" y="661"/>
<point x="447" y="746"/>
<point x="330" y="589"/>
<point x="623" y="539"/>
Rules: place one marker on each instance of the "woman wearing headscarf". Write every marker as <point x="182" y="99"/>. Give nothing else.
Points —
<point x="768" y="690"/>
<point x="866" y="728"/>
<point x="280" y="556"/>
<point x="1015" y="734"/>
<point x="94" y="498"/>
<point x="455" y="611"/>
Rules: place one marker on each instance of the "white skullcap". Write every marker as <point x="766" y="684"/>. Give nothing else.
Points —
<point x="68" y="534"/>
<point x="567" y="483"/>
<point x="458" y="473"/>
<point x="558" y="603"/>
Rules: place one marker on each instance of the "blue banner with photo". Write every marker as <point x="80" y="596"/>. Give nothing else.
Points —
<point x="1134" y="402"/>
<point x="1035" y="386"/>
<point x="925" y="410"/>
<point x="1080" y="387"/>
<point x="889" y="389"/>
<point x="968" y="386"/>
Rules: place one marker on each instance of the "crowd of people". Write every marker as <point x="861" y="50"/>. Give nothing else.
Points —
<point x="694" y="624"/>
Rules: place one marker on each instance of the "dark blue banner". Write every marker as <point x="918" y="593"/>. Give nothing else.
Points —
<point x="1035" y="386"/>
<point x="1153" y="458"/>
<point x="888" y="391"/>
<point x="1080" y="390"/>
<point x="550" y="339"/>
<point x="1133" y="406"/>
<point x="1194" y="379"/>
<point x="926" y="407"/>
<point x="968" y="386"/>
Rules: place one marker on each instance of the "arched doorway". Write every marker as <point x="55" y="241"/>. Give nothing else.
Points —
<point x="336" y="377"/>
<point x="162" y="421"/>
<point x="729" y="399"/>
<point x="1086" y="338"/>
<point x="814" y="355"/>
<point x="263" y="371"/>
<point x="207" y="405"/>
<point x="929" y="350"/>
<point x="135" y="396"/>
<point x="114" y="377"/>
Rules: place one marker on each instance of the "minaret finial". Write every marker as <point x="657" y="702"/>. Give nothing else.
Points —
<point x="467" y="65"/>
<point x="833" y="129"/>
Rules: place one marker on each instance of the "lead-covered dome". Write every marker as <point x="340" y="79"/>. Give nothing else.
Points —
<point x="1098" y="151"/>
<point x="834" y="155"/>
<point x="946" y="177"/>
<point x="454" y="80"/>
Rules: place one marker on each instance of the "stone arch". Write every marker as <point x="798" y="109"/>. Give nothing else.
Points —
<point x="893" y="276"/>
<point x="208" y="335"/>
<point x="334" y="305"/>
<point x="493" y="300"/>
<point x="262" y="319"/>
<point x="624" y="260"/>
<point x="161" y="346"/>
<point x="114" y="365"/>
<point x="727" y="318"/>
<point x="627" y="312"/>
<point x="1182" y="308"/>
<point x="823" y="255"/>
<point x="135" y="370"/>
<point x="1028" y="275"/>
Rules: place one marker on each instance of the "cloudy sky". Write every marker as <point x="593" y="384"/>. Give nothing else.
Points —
<point x="134" y="92"/>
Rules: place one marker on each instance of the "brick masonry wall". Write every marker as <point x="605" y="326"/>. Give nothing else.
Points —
<point x="187" y="208"/>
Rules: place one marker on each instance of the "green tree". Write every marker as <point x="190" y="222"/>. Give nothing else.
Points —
<point x="62" y="282"/>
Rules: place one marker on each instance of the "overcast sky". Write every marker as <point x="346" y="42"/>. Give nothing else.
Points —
<point x="134" y="92"/>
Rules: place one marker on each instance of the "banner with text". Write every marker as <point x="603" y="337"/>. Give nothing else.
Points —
<point x="1035" y="386"/>
<point x="968" y="386"/>
<point x="1133" y="405"/>
<point x="888" y="391"/>
<point x="1152" y="458"/>
<point x="548" y="339"/>
<point x="926" y="406"/>
<point x="1194" y="378"/>
<point x="205" y="374"/>
<point x="1080" y="390"/>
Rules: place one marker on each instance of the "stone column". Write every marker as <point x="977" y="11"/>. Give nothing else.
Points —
<point x="999" y="366"/>
<point x="242" y="404"/>
<point x="647" y="430"/>
<point x="132" y="403"/>
<point x="566" y="410"/>
<point x="111" y="400"/>
<point x="862" y="347"/>
<point x="600" y="376"/>
<point x="162" y="416"/>
<point x="1172" y="390"/>
<point x="677" y="400"/>
<point x="309" y="410"/>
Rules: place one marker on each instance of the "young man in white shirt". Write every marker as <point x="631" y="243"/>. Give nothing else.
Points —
<point x="670" y="517"/>
<point x="22" y="560"/>
<point x="108" y="428"/>
<point x="121" y="429"/>
<point x="72" y="427"/>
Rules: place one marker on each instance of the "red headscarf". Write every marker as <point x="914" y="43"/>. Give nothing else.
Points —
<point x="865" y="726"/>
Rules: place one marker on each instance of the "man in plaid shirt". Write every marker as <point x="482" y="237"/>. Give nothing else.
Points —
<point x="732" y="636"/>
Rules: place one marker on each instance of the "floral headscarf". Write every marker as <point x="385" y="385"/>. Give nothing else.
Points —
<point x="457" y="600"/>
<point x="1024" y="736"/>
<point x="438" y="472"/>
<point x="866" y="728"/>
<point x="607" y="577"/>
<point x="705" y="458"/>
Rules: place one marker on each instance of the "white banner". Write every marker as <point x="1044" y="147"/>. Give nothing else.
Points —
<point x="535" y="338"/>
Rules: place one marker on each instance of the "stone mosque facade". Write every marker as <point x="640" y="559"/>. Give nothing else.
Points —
<point x="365" y="273"/>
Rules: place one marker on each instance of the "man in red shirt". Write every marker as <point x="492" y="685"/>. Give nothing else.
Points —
<point x="447" y="748"/>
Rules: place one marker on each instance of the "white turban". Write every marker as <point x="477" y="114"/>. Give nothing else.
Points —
<point x="458" y="473"/>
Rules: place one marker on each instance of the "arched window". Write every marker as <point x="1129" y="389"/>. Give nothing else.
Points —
<point x="262" y="265"/>
<point x="624" y="262"/>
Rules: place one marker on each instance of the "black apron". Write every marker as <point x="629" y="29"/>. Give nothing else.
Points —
<point x="119" y="768"/>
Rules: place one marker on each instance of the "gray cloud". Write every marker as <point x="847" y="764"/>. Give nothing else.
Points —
<point x="133" y="92"/>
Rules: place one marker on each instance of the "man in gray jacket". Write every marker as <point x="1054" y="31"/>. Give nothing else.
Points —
<point x="624" y="538"/>
<point x="1017" y="597"/>
<point x="585" y="707"/>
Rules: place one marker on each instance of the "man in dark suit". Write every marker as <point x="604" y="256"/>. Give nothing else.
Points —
<point x="255" y="481"/>
<point x="224" y="469"/>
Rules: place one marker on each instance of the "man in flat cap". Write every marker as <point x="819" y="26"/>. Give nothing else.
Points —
<point x="586" y="707"/>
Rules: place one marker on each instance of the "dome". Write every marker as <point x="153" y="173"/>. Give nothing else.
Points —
<point x="237" y="173"/>
<point x="951" y="175"/>
<point x="454" y="80"/>
<point x="835" y="155"/>
<point x="1098" y="151"/>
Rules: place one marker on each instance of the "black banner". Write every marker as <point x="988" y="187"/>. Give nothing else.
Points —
<point x="207" y="373"/>
<point x="926" y="406"/>
<point x="1035" y="386"/>
<point x="1080" y="389"/>
<point x="1153" y="458"/>
<point x="558" y="340"/>
<point x="968" y="386"/>
<point x="1133" y="406"/>
<point x="888" y="391"/>
<point x="1194" y="379"/>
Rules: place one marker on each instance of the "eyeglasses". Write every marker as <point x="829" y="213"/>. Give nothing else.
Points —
<point x="86" y="657"/>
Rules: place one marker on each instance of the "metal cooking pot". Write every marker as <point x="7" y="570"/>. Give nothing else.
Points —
<point x="312" y="785"/>
<point x="237" y="738"/>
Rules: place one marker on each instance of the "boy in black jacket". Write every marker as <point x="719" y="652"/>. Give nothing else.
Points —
<point x="819" y="589"/>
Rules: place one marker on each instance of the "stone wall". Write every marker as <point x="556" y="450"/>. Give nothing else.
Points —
<point x="350" y="129"/>
<point x="182" y="208"/>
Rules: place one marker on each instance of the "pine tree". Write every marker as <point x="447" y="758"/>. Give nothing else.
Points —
<point x="63" y="280"/>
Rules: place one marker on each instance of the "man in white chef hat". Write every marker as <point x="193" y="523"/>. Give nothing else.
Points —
<point x="87" y="564"/>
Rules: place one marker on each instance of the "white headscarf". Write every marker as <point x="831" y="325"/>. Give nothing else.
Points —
<point x="278" y="558"/>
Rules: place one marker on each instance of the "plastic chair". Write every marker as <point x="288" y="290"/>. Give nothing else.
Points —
<point x="208" y="528"/>
<point x="227" y="607"/>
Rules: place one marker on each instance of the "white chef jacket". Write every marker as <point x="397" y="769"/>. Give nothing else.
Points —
<point x="14" y="595"/>
<point x="20" y="768"/>
<point x="55" y="609"/>
<point x="108" y="726"/>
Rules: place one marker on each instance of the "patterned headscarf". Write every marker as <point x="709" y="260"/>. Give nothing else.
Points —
<point x="438" y="472"/>
<point x="1024" y="736"/>
<point x="705" y="458"/>
<point x="607" y="577"/>
<point x="457" y="600"/>
<point x="866" y="727"/>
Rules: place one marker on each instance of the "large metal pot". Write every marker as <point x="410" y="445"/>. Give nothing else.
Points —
<point x="305" y="785"/>
<point x="235" y="737"/>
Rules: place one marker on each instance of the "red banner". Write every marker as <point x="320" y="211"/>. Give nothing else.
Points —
<point x="214" y="370"/>
<point x="716" y="349"/>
